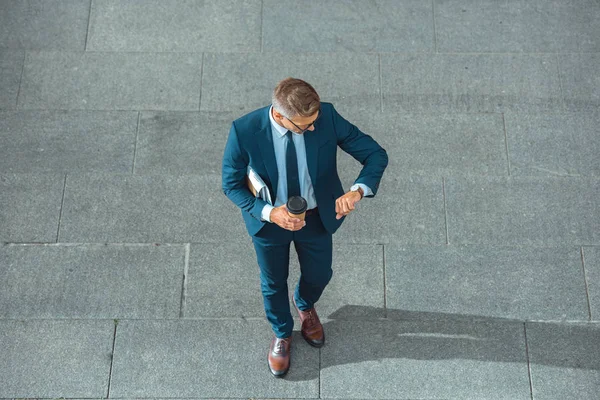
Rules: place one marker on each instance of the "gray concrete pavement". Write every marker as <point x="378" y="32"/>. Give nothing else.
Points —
<point x="473" y="274"/>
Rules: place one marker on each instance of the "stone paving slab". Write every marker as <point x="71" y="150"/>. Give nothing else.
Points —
<point x="534" y="211"/>
<point x="91" y="281"/>
<point x="433" y="144"/>
<point x="147" y="209"/>
<point x="224" y="281"/>
<point x="204" y="358"/>
<point x="348" y="26"/>
<point x="517" y="26"/>
<point x="11" y="65"/>
<point x="553" y="144"/>
<point x="424" y="359"/>
<point x="30" y="207"/>
<point x="50" y="359"/>
<point x="175" y="26"/>
<point x="565" y="360"/>
<point x="182" y="142"/>
<point x="111" y="81"/>
<point x="406" y="209"/>
<point x="244" y="82"/>
<point x="493" y="281"/>
<point x="44" y="24"/>
<point x="65" y="141"/>
<point x="591" y="256"/>
<point x="580" y="80"/>
<point x="470" y="82"/>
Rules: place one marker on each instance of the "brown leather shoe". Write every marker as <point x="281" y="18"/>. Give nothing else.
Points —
<point x="279" y="355"/>
<point x="312" y="329"/>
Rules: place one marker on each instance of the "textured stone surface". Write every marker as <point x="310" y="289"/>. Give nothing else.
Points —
<point x="424" y="359"/>
<point x="517" y="26"/>
<point x="44" y="24"/>
<point x="53" y="358"/>
<point x="565" y="362"/>
<point x="224" y="281"/>
<point x="553" y="144"/>
<point x="111" y="81"/>
<point x="523" y="210"/>
<point x="30" y="206"/>
<point x="11" y="65"/>
<point x="64" y="141"/>
<point x="380" y="25"/>
<point x="175" y="26"/>
<point x="580" y="79"/>
<point x="146" y="209"/>
<point x="205" y="358"/>
<point x="407" y="209"/>
<point x="182" y="142"/>
<point x="91" y="281"/>
<point x="432" y="144"/>
<point x="470" y="82"/>
<point x="244" y="82"/>
<point x="487" y="281"/>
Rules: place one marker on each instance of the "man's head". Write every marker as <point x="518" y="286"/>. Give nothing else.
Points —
<point x="296" y="105"/>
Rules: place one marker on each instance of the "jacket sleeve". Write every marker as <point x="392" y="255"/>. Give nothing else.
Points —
<point x="364" y="149"/>
<point x="233" y="175"/>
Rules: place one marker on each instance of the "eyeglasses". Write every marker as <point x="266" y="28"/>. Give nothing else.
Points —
<point x="302" y="130"/>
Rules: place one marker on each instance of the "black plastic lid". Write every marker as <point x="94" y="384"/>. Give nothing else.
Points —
<point x="296" y="204"/>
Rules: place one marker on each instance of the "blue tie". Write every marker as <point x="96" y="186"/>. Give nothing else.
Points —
<point x="291" y="165"/>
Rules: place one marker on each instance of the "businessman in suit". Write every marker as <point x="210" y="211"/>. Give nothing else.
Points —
<point x="292" y="144"/>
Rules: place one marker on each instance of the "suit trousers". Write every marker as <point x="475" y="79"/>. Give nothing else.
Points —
<point x="313" y="245"/>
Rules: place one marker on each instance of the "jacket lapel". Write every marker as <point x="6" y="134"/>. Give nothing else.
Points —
<point x="265" y="144"/>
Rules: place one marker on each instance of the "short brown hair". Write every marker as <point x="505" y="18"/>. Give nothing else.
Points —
<point x="293" y="97"/>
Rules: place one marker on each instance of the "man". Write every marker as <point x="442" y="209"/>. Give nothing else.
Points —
<point x="292" y="145"/>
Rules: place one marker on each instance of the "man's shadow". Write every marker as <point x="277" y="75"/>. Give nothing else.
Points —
<point x="351" y="338"/>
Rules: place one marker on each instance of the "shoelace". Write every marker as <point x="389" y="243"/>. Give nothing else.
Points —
<point x="311" y="317"/>
<point x="280" y="346"/>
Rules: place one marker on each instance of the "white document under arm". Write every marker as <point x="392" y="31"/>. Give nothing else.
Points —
<point x="260" y="188"/>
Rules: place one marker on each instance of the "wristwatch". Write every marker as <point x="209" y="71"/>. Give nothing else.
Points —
<point x="356" y="188"/>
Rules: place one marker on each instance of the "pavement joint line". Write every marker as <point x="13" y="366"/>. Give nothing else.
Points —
<point x="435" y="49"/>
<point x="587" y="287"/>
<point x="184" y="282"/>
<point x="137" y="129"/>
<point x="200" y="89"/>
<point x="262" y="23"/>
<point x="112" y="357"/>
<point x="528" y="361"/>
<point x="384" y="283"/>
<point x="333" y="54"/>
<point x="445" y="210"/>
<point x="380" y="85"/>
<point x="506" y="143"/>
<point x="20" y="80"/>
<point x="62" y="203"/>
<point x="87" y="32"/>
<point x="562" y="94"/>
<point x="448" y="319"/>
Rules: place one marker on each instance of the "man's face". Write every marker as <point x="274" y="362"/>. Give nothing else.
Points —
<point x="304" y="123"/>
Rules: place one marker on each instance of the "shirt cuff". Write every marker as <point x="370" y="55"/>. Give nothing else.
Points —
<point x="265" y="213"/>
<point x="367" y="191"/>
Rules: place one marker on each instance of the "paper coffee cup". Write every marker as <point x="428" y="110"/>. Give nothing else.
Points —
<point x="296" y="207"/>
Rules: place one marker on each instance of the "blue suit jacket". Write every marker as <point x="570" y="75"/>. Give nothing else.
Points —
<point x="250" y="141"/>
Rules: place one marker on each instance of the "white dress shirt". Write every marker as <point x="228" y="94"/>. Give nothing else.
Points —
<point x="306" y="187"/>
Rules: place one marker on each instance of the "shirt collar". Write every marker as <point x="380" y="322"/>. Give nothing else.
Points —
<point x="281" y="131"/>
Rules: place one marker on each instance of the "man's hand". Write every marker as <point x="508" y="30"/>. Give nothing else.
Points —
<point x="280" y="216"/>
<point x="345" y="204"/>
